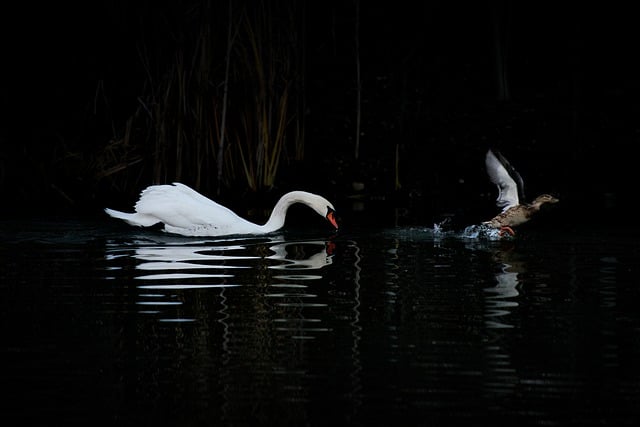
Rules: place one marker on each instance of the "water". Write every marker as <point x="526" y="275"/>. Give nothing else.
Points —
<point x="113" y="325"/>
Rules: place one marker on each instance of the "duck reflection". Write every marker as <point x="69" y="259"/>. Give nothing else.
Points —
<point x="500" y="305"/>
<point x="500" y="299"/>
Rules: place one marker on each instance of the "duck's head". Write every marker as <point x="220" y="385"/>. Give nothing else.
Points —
<point x="544" y="199"/>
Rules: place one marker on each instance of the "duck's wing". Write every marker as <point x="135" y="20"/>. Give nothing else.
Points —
<point x="506" y="178"/>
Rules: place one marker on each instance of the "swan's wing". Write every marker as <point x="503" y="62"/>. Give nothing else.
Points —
<point x="504" y="179"/>
<point x="216" y="208"/>
<point x="182" y="207"/>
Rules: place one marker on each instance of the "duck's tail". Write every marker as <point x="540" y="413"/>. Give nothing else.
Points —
<point x="138" y="219"/>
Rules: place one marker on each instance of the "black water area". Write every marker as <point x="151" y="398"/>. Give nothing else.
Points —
<point x="105" y="324"/>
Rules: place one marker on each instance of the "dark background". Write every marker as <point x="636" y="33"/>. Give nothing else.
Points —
<point x="564" y="109"/>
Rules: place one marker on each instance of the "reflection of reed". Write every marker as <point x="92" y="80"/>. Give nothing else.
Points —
<point x="608" y="290"/>
<point x="290" y="292"/>
<point x="225" y="372"/>
<point x="267" y="342"/>
<point x="345" y="306"/>
<point x="608" y="297"/>
<point x="356" y="333"/>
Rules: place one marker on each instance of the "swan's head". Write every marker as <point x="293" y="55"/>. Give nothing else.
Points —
<point x="326" y="209"/>
<point x="331" y="217"/>
<point x="319" y="204"/>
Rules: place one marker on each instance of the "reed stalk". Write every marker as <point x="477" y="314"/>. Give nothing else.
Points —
<point x="268" y="64"/>
<point x="221" y="113"/>
<point x="358" y="81"/>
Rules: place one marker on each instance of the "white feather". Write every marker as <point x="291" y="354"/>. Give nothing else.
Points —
<point x="507" y="187"/>
<point x="184" y="211"/>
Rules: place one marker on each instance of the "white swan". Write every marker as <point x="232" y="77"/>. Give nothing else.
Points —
<point x="184" y="211"/>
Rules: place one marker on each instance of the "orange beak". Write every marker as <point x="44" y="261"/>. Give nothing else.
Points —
<point x="331" y="217"/>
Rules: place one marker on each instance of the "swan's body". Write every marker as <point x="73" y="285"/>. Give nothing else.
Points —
<point x="511" y="195"/>
<point x="184" y="211"/>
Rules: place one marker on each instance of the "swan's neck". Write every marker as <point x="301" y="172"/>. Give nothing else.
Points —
<point x="279" y="213"/>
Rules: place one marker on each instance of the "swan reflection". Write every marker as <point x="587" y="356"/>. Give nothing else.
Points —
<point x="162" y="268"/>
<point x="181" y="262"/>
<point x="299" y="259"/>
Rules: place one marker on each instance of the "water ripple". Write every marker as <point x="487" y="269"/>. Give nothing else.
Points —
<point x="174" y="269"/>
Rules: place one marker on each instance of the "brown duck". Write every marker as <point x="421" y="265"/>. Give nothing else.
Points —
<point x="510" y="193"/>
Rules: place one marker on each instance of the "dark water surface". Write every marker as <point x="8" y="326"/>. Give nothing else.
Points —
<point x="376" y="326"/>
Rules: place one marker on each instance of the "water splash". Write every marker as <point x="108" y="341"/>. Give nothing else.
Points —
<point x="473" y="232"/>
<point x="482" y="231"/>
